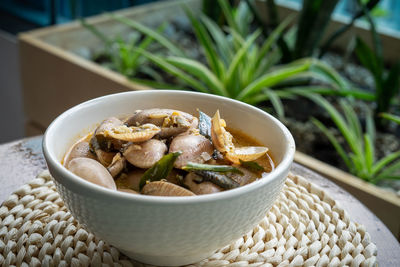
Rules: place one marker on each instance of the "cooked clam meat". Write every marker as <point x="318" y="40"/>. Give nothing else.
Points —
<point x="223" y="142"/>
<point x="196" y="184"/>
<point x="146" y="154"/>
<point x="172" y="122"/>
<point x="194" y="148"/>
<point x="133" y="133"/>
<point x="167" y="152"/>
<point x="92" y="171"/>
<point x="80" y="149"/>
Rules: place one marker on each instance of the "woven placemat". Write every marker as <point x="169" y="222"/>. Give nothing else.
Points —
<point x="305" y="227"/>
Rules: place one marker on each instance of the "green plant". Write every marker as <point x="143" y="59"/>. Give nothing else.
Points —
<point x="213" y="11"/>
<point x="122" y="54"/>
<point x="390" y="117"/>
<point x="387" y="83"/>
<point x="360" y="157"/>
<point x="365" y="6"/>
<point x="239" y="65"/>
<point x="305" y="38"/>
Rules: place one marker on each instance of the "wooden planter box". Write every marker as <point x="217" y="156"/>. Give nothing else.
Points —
<point x="55" y="78"/>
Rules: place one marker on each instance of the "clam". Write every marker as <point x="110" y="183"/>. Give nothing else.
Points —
<point x="223" y="142"/>
<point x="160" y="188"/>
<point x="172" y="122"/>
<point x="103" y="156"/>
<point x="244" y="178"/>
<point x="81" y="149"/>
<point x="249" y="153"/>
<point x="106" y="143"/>
<point x="194" y="148"/>
<point x="133" y="133"/>
<point x="92" y="171"/>
<point x="146" y="154"/>
<point x="174" y="177"/>
<point x="167" y="154"/>
<point x="126" y="190"/>
<point x="130" y="180"/>
<point x="117" y="165"/>
<point x="222" y="139"/>
<point x="220" y="179"/>
<point x="196" y="184"/>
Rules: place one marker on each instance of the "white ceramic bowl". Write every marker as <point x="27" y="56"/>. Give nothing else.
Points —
<point x="167" y="230"/>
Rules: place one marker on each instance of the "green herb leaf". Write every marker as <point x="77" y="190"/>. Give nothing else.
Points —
<point x="205" y="124"/>
<point x="160" y="169"/>
<point x="191" y="166"/>
<point x="251" y="166"/>
<point x="218" y="179"/>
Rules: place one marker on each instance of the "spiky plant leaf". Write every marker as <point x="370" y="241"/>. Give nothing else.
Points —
<point x="201" y="72"/>
<point x="149" y="32"/>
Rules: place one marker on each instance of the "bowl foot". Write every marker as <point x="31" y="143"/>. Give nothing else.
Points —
<point x="165" y="260"/>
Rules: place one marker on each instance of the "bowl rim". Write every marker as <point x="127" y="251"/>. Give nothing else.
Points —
<point x="74" y="180"/>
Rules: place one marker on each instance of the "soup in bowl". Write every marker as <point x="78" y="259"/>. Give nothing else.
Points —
<point x="165" y="228"/>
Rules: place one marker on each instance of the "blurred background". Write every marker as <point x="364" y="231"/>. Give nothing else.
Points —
<point x="18" y="16"/>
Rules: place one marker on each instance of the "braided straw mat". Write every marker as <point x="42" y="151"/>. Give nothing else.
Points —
<point x="305" y="227"/>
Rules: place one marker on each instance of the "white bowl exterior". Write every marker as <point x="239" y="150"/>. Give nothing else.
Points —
<point x="167" y="231"/>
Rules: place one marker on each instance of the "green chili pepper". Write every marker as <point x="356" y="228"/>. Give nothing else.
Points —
<point x="191" y="166"/>
<point x="160" y="169"/>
